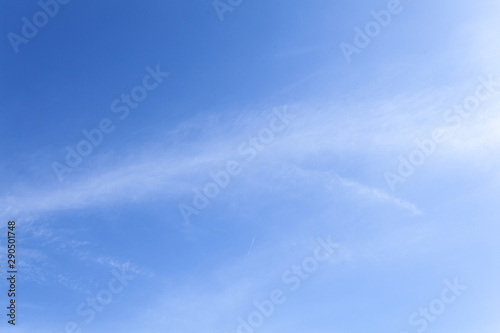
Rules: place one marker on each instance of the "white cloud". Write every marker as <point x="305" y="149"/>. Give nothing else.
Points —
<point x="169" y="173"/>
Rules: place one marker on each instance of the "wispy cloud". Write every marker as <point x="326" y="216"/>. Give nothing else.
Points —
<point x="319" y="135"/>
<point x="380" y="195"/>
<point x="316" y="137"/>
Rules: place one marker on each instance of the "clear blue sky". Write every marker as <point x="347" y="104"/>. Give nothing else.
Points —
<point x="306" y="137"/>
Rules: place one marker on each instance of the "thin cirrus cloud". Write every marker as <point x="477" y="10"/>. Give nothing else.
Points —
<point x="318" y="133"/>
<point x="315" y="135"/>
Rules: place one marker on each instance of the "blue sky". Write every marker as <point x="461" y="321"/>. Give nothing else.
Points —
<point x="268" y="91"/>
